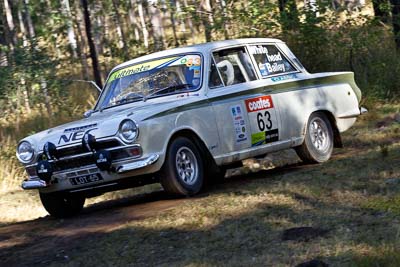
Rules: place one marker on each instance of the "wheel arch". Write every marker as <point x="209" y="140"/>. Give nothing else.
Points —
<point x="193" y="136"/>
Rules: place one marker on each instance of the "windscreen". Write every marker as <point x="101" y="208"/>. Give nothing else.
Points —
<point x="156" y="78"/>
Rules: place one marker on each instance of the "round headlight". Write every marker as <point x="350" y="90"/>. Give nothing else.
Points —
<point x="128" y="131"/>
<point x="25" y="151"/>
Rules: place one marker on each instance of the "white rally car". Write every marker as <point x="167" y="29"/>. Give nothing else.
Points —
<point x="181" y="117"/>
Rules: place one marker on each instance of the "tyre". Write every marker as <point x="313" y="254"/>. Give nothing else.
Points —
<point x="318" y="142"/>
<point x="183" y="169"/>
<point x="62" y="205"/>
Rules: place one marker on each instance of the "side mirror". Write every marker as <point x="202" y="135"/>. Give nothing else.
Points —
<point x="88" y="113"/>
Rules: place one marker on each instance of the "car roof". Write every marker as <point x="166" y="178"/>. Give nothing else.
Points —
<point x="203" y="48"/>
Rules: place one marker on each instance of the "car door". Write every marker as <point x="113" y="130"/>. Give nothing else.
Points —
<point x="276" y="69"/>
<point x="246" y="115"/>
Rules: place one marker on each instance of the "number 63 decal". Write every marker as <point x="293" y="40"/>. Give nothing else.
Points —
<point x="264" y="120"/>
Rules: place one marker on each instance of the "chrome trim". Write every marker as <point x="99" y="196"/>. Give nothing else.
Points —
<point x="33" y="184"/>
<point x="33" y="155"/>
<point x="122" y="138"/>
<point x="363" y="110"/>
<point x="138" y="164"/>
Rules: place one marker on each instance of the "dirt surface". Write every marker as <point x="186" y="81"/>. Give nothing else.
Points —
<point x="47" y="240"/>
<point x="44" y="240"/>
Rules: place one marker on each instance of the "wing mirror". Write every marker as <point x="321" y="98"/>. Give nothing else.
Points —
<point x="88" y="113"/>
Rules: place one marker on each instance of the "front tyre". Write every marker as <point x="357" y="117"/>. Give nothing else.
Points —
<point x="62" y="205"/>
<point x="318" y="143"/>
<point x="183" y="170"/>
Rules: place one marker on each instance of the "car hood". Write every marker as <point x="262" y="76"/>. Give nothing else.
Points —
<point x="105" y="123"/>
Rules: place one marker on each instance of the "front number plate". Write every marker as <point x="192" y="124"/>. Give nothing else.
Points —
<point x="85" y="179"/>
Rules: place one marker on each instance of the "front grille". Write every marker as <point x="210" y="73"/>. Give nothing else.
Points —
<point x="74" y="163"/>
<point x="76" y="150"/>
<point x="76" y="157"/>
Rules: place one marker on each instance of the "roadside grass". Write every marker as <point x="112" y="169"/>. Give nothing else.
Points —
<point x="354" y="197"/>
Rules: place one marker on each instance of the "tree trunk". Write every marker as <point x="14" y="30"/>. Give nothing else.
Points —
<point x="81" y="44"/>
<point x="133" y="20"/>
<point x="172" y="12"/>
<point x="43" y="85"/>
<point x="66" y="10"/>
<point x="22" y="28"/>
<point x="207" y="18"/>
<point x="156" y="24"/>
<point x="224" y="12"/>
<point x="179" y="12"/>
<point x="143" y="24"/>
<point x="28" y="17"/>
<point x="120" y="31"/>
<point x="92" y="48"/>
<point x="189" y="22"/>
<point x="25" y="94"/>
<point x="10" y="24"/>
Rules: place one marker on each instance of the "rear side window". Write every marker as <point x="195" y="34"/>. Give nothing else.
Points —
<point x="270" y="60"/>
<point x="234" y="66"/>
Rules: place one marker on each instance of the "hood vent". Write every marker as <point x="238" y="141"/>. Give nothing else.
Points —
<point x="80" y="128"/>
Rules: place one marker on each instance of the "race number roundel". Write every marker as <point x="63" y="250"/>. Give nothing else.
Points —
<point x="263" y="120"/>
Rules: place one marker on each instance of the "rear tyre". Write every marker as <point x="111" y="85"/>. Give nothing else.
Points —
<point x="318" y="143"/>
<point x="183" y="169"/>
<point x="62" y="205"/>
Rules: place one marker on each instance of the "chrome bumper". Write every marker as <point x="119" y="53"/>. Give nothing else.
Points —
<point x="138" y="164"/>
<point x="37" y="183"/>
<point x="33" y="184"/>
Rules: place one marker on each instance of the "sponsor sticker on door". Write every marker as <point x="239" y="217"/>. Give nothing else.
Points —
<point x="263" y="120"/>
<point x="239" y="123"/>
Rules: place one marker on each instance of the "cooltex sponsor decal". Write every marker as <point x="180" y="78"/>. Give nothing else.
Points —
<point x="263" y="120"/>
<point x="259" y="103"/>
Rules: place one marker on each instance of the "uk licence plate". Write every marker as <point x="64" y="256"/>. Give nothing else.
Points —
<point x="85" y="179"/>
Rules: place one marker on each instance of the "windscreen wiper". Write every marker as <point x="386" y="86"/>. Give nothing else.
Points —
<point x="129" y="98"/>
<point x="171" y="88"/>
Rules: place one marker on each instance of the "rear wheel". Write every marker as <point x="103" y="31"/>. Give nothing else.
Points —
<point x="183" y="170"/>
<point x="318" y="142"/>
<point x="62" y="205"/>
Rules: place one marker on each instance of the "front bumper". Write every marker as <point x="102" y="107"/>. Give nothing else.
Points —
<point x="121" y="168"/>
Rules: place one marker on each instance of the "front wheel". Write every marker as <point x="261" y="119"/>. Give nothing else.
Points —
<point x="62" y="205"/>
<point x="318" y="142"/>
<point x="183" y="170"/>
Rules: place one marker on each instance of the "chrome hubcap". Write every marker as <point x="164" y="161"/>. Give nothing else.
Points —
<point x="186" y="165"/>
<point x="319" y="134"/>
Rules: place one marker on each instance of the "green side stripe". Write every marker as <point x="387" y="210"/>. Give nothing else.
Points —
<point x="270" y="89"/>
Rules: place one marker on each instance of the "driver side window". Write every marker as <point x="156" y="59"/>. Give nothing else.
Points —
<point x="234" y="66"/>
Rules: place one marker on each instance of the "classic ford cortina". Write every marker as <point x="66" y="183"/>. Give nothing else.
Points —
<point x="181" y="117"/>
